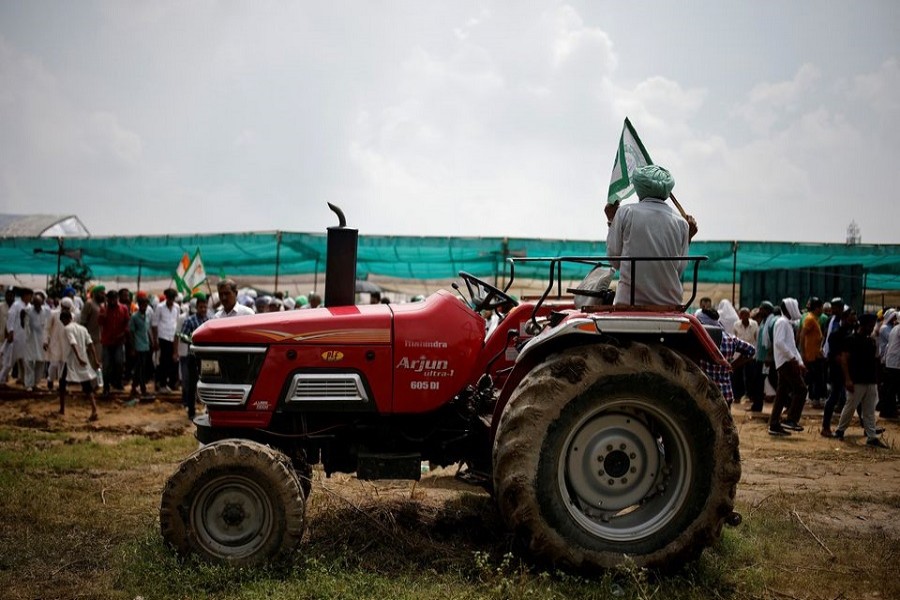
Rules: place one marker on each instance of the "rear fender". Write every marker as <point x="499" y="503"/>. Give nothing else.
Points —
<point x="500" y="352"/>
<point x="680" y="332"/>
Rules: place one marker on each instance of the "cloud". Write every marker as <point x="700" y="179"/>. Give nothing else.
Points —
<point x="480" y="124"/>
<point x="770" y="102"/>
<point x="879" y="90"/>
<point x="663" y="108"/>
<point x="459" y="119"/>
<point x="106" y="138"/>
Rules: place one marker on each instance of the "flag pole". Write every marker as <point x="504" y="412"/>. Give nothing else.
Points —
<point x="678" y="206"/>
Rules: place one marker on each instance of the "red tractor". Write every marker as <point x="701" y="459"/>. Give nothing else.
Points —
<point x="595" y="430"/>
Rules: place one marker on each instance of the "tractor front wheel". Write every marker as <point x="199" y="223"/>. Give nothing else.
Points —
<point x="605" y="453"/>
<point x="234" y="501"/>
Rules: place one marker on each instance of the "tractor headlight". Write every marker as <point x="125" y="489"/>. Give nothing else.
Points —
<point x="210" y="368"/>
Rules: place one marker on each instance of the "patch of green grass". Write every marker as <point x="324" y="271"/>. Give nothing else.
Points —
<point x="476" y="575"/>
<point x="25" y="450"/>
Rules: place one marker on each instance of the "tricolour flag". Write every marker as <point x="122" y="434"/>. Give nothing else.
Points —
<point x="190" y="274"/>
<point x="631" y="154"/>
<point x="182" y="268"/>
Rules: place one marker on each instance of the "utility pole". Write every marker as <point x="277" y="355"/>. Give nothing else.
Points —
<point x="854" y="236"/>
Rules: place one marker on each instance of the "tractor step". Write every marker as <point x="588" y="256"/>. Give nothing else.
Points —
<point x="389" y="466"/>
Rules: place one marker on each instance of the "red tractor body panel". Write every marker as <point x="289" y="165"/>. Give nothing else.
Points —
<point x="437" y="344"/>
<point x="413" y="357"/>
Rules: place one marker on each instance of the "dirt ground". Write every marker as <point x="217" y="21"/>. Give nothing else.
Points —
<point x="855" y="485"/>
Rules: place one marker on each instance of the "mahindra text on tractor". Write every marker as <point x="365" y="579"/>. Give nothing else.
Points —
<point x="594" y="429"/>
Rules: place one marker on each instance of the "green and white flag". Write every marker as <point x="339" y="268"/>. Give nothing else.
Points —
<point x="190" y="274"/>
<point x="630" y="155"/>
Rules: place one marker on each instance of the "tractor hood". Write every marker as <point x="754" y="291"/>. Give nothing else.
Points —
<point x="369" y="324"/>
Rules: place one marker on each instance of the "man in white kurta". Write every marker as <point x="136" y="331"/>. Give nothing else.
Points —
<point x="56" y="345"/>
<point x="791" y="390"/>
<point x="78" y="363"/>
<point x="16" y="323"/>
<point x="649" y="228"/>
<point x="38" y="315"/>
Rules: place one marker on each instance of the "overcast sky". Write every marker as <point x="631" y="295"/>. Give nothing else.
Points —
<point x="779" y="120"/>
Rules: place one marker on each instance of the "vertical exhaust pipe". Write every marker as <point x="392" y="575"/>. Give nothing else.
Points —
<point x="340" y="264"/>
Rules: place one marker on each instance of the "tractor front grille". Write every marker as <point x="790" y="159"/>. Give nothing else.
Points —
<point x="327" y="387"/>
<point x="214" y="394"/>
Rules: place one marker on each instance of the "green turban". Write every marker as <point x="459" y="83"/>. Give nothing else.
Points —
<point x="652" y="181"/>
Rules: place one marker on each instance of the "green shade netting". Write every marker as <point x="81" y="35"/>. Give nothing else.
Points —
<point x="290" y="253"/>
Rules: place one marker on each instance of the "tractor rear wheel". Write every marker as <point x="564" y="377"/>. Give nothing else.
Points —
<point x="234" y="501"/>
<point x="604" y="452"/>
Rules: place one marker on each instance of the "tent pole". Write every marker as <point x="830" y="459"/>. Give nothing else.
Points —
<point x="504" y="259"/>
<point x="865" y="285"/>
<point x="59" y="254"/>
<point x="734" y="249"/>
<point x="277" y="257"/>
<point x="316" y="276"/>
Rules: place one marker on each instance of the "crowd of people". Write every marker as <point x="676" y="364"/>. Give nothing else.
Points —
<point x="110" y="339"/>
<point x="827" y="357"/>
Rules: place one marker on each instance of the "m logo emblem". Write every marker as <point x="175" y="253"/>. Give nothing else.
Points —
<point x="332" y="356"/>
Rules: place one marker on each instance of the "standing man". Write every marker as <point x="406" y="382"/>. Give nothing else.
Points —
<point x="139" y="334"/>
<point x="744" y="376"/>
<point x="190" y="372"/>
<point x="887" y="391"/>
<point x="162" y="334"/>
<point x="859" y="366"/>
<point x="38" y="316"/>
<point x="113" y="331"/>
<point x="90" y="314"/>
<point x="837" y="398"/>
<point x="77" y="302"/>
<point x="833" y="374"/>
<point x="126" y="299"/>
<point x="649" y="228"/>
<point x="841" y="324"/>
<point x="16" y="336"/>
<point x="791" y="390"/>
<point x="811" y="339"/>
<point x="82" y="355"/>
<point x="56" y="345"/>
<point x="757" y="392"/>
<point x="227" y="289"/>
<point x="8" y="299"/>
<point x="891" y="375"/>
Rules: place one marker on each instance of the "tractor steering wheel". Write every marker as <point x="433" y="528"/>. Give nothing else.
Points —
<point x="484" y="295"/>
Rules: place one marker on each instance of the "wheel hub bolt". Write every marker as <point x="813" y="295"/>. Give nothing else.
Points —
<point x="601" y="473"/>
<point x="609" y="447"/>
<point x="233" y="514"/>
<point x="633" y="455"/>
<point x="600" y="458"/>
<point x="633" y="470"/>
<point x="622" y="446"/>
<point x="624" y="480"/>
<point x="610" y="482"/>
